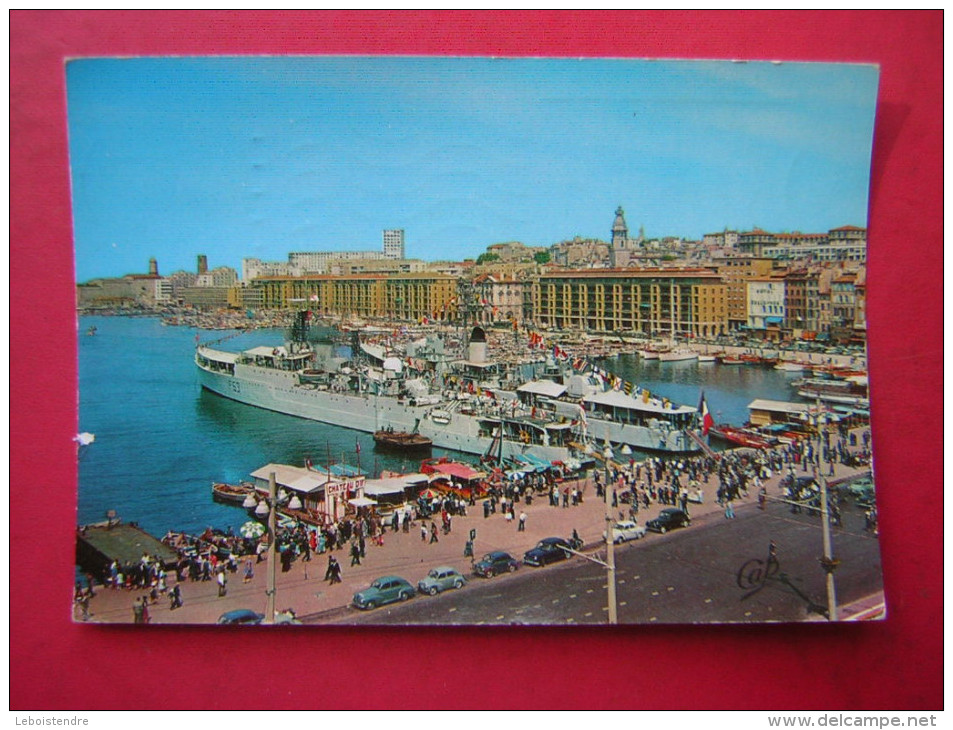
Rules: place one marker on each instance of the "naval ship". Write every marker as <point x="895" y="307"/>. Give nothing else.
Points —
<point x="303" y="378"/>
<point x="379" y="391"/>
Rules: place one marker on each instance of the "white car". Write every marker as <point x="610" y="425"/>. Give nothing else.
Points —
<point x="624" y="531"/>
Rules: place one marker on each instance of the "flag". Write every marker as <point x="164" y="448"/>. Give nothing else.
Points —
<point x="357" y="446"/>
<point x="707" y="420"/>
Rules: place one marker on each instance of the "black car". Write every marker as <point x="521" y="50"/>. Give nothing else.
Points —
<point x="548" y="550"/>
<point x="669" y="519"/>
<point x="495" y="563"/>
<point x="241" y="617"/>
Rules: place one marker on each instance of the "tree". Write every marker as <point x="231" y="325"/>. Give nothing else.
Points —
<point x="541" y="257"/>
<point x="485" y="258"/>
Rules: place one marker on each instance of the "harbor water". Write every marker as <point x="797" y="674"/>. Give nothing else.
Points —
<point x="161" y="441"/>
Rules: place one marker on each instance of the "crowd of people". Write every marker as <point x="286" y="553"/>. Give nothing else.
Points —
<point x="215" y="556"/>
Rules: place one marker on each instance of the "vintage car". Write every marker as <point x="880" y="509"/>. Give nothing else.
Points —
<point x="669" y="519"/>
<point x="440" y="579"/>
<point x="548" y="550"/>
<point x="495" y="563"/>
<point x="387" y="589"/>
<point x="625" y="531"/>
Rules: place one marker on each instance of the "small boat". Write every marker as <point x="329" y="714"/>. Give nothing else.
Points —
<point x="649" y="354"/>
<point x="742" y="437"/>
<point x="707" y="358"/>
<point x="678" y="354"/>
<point x="730" y="360"/>
<point x="312" y="377"/>
<point x="91" y="331"/>
<point x="852" y="392"/>
<point x="791" y="366"/>
<point x="231" y="493"/>
<point x="388" y="438"/>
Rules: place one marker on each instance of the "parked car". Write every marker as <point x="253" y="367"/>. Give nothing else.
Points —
<point x="495" y="563"/>
<point x="241" y="617"/>
<point x="860" y="487"/>
<point x="669" y="519"/>
<point x="384" y="590"/>
<point x="625" y="531"/>
<point x="548" y="550"/>
<point x="440" y="579"/>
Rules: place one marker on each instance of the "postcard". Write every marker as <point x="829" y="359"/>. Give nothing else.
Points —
<point x="472" y="341"/>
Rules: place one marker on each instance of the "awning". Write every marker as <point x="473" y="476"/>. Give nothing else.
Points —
<point x="461" y="471"/>
<point x="542" y="387"/>
<point x="362" y="502"/>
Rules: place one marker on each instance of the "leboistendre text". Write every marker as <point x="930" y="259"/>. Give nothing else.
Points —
<point x="52" y="720"/>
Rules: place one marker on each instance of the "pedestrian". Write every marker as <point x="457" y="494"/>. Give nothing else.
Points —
<point x="522" y="524"/>
<point x="249" y="571"/>
<point x="486" y="509"/>
<point x="222" y="582"/>
<point x="729" y="510"/>
<point x="82" y="600"/>
<point x="335" y="570"/>
<point x="355" y="554"/>
<point x="145" y="611"/>
<point x="423" y="532"/>
<point x="433" y="533"/>
<point x="175" y="597"/>
<point x="468" y="549"/>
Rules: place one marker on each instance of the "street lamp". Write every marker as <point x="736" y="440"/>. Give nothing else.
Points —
<point x="610" y="541"/>
<point x="828" y="562"/>
<point x="268" y="506"/>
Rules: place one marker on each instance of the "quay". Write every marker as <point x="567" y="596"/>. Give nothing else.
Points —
<point x="314" y="600"/>
<point x="98" y="545"/>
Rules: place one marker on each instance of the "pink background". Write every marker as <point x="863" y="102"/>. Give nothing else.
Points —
<point x="892" y="665"/>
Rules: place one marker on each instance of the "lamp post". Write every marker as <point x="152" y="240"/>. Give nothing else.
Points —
<point x="828" y="562"/>
<point x="272" y="549"/>
<point x="269" y="507"/>
<point x="610" y="542"/>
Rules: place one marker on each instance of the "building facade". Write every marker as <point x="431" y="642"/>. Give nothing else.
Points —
<point x="766" y="306"/>
<point x="653" y="302"/>
<point x="410" y="297"/>
<point x="394" y="243"/>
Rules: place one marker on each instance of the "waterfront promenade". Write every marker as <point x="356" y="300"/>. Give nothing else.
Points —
<point x="303" y="589"/>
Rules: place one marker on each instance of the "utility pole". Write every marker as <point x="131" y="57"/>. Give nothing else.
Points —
<point x="828" y="563"/>
<point x="272" y="549"/>
<point x="610" y="541"/>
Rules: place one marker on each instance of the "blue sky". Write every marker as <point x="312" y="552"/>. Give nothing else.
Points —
<point x="260" y="156"/>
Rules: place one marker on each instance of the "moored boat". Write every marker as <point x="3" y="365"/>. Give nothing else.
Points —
<point x="791" y="366"/>
<point x="852" y="392"/>
<point x="678" y="354"/>
<point x="393" y="440"/>
<point x="730" y="360"/>
<point x="231" y="493"/>
<point x="741" y="437"/>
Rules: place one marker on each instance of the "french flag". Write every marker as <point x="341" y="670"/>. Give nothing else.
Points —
<point x="707" y="420"/>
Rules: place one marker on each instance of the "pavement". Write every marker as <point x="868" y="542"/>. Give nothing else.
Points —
<point x="303" y="589"/>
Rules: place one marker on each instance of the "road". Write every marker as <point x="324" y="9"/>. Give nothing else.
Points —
<point x="688" y="575"/>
